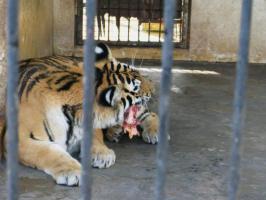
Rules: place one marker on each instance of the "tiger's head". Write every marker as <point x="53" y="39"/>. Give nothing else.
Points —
<point x="104" y="59"/>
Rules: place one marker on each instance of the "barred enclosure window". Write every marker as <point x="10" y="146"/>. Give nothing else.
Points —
<point x="133" y="23"/>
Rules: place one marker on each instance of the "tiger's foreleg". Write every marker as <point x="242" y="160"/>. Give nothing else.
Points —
<point x="102" y="156"/>
<point x="52" y="159"/>
<point x="114" y="133"/>
<point x="115" y="101"/>
<point x="149" y="127"/>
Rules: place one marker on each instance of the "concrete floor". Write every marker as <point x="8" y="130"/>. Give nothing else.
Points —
<point x="200" y="121"/>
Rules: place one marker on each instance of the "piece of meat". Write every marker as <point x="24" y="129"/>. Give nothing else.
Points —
<point x="131" y="121"/>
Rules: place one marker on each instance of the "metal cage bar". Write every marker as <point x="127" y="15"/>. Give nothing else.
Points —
<point x="185" y="25"/>
<point x="128" y="25"/>
<point x="12" y="99"/>
<point x="88" y="98"/>
<point x="78" y="18"/>
<point x="109" y="19"/>
<point x="239" y="97"/>
<point x="167" y="62"/>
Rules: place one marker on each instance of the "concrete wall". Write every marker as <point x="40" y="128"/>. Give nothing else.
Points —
<point x="213" y="37"/>
<point x="213" y="34"/>
<point x="36" y="28"/>
<point x="35" y="34"/>
<point x="215" y="30"/>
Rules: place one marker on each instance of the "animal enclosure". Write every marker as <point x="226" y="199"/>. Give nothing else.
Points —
<point x="194" y="99"/>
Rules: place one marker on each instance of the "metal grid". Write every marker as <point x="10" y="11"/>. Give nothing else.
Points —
<point x="169" y="10"/>
<point x="139" y="24"/>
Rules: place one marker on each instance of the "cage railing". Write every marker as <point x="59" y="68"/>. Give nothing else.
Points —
<point x="88" y="98"/>
<point x="89" y="58"/>
<point x="240" y="98"/>
<point x="167" y="62"/>
<point x="12" y="99"/>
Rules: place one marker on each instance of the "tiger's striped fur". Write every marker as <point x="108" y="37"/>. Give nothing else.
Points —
<point x="50" y="110"/>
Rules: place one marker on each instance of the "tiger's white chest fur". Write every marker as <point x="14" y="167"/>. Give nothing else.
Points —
<point x="58" y="125"/>
<point x="64" y="130"/>
<point x="74" y="141"/>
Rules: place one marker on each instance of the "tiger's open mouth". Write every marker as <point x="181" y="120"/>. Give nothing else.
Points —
<point x="130" y="121"/>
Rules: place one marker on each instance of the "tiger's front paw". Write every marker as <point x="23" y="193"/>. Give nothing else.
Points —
<point x="114" y="133"/>
<point x="71" y="177"/>
<point x="151" y="137"/>
<point x="114" y="137"/>
<point x="102" y="157"/>
<point x="150" y="129"/>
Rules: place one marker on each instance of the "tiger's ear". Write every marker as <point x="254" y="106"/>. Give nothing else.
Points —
<point x="102" y="52"/>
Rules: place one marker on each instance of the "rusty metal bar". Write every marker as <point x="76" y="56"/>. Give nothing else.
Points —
<point x="185" y="24"/>
<point x="240" y="97"/>
<point x="108" y="20"/>
<point x="12" y="99"/>
<point x="118" y="20"/>
<point x="88" y="98"/>
<point x="138" y="17"/>
<point x="100" y="20"/>
<point x="150" y="16"/>
<point x="79" y="23"/>
<point x="167" y="62"/>
<point x="160" y="27"/>
<point x="128" y="25"/>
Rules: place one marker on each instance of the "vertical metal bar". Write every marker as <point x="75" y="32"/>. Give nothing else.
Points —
<point x="167" y="61"/>
<point x="150" y="16"/>
<point x="88" y="98"/>
<point x="160" y="27"/>
<point x="239" y="97"/>
<point x="119" y="10"/>
<point x="12" y="99"/>
<point x="78" y="22"/>
<point x="100" y="27"/>
<point x="138" y="12"/>
<point x="108" y="20"/>
<point x="185" y="20"/>
<point x="128" y="25"/>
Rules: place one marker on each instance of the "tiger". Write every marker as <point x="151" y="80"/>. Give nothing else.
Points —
<point x="50" y="94"/>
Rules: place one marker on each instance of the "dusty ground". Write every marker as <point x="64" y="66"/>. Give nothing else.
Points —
<point x="200" y="121"/>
